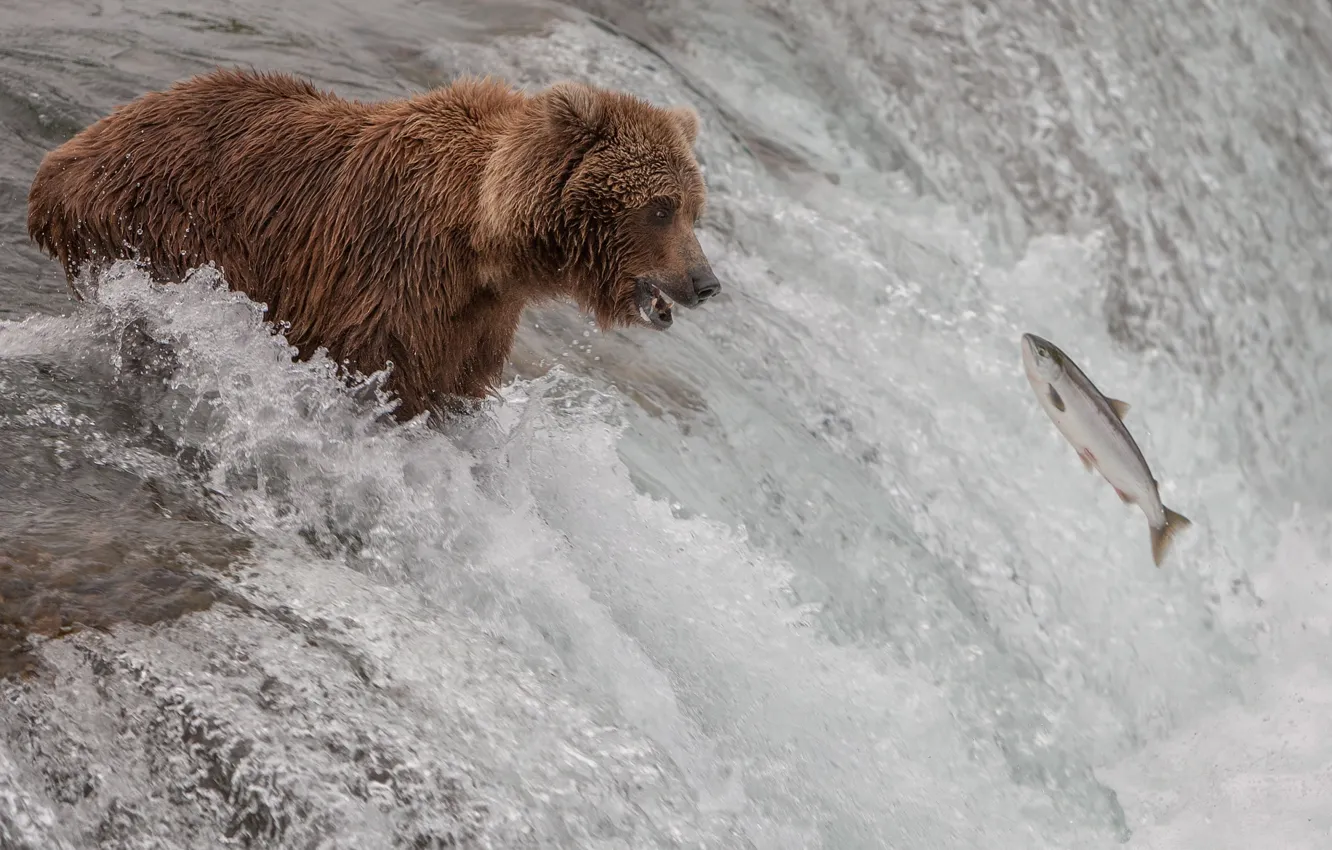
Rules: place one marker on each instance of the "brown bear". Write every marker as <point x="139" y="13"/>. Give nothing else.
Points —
<point x="410" y="231"/>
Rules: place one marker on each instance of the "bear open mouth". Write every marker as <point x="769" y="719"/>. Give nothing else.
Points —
<point x="655" y="307"/>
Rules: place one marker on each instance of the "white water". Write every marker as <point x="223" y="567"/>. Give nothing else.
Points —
<point x="811" y="570"/>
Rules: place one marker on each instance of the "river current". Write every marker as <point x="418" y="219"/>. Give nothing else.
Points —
<point x="810" y="570"/>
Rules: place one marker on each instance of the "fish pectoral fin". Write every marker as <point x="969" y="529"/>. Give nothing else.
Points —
<point x="1161" y="537"/>
<point x="1123" y="497"/>
<point x="1088" y="460"/>
<point x="1055" y="398"/>
<point x="1121" y="408"/>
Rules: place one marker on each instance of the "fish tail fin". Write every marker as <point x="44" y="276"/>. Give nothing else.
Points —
<point x="1162" y="535"/>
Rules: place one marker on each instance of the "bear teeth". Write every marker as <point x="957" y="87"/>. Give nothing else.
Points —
<point x="657" y="311"/>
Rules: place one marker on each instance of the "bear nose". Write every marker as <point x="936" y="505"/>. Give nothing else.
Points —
<point x="705" y="283"/>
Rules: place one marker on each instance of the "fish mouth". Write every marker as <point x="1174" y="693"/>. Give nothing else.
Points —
<point x="1039" y="345"/>
<point x="1031" y="344"/>
<point x="1029" y="354"/>
<point x="1040" y="358"/>
<point x="654" y="307"/>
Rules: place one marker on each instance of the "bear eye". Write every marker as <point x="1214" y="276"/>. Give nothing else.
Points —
<point x="661" y="212"/>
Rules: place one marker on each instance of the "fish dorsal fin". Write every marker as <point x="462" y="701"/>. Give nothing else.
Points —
<point x="1121" y="408"/>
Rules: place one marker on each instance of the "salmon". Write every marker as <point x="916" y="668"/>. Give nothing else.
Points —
<point x="1094" y="424"/>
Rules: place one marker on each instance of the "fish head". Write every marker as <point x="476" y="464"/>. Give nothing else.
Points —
<point x="1042" y="359"/>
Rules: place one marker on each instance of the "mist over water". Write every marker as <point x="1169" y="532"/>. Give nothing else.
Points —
<point x="810" y="570"/>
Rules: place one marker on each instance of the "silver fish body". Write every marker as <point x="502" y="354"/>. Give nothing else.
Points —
<point x="1094" y="424"/>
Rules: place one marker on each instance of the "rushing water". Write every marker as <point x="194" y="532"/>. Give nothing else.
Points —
<point x="810" y="570"/>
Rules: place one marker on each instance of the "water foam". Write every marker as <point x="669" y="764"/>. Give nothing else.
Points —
<point x="673" y="625"/>
<point x="855" y="593"/>
<point x="1257" y="772"/>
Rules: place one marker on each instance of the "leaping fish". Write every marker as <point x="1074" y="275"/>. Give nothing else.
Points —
<point x="1094" y="424"/>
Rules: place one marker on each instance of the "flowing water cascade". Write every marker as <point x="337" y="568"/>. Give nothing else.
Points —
<point x="811" y="569"/>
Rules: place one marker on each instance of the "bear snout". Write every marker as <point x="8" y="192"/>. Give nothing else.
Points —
<point x="691" y="288"/>
<point x="704" y="283"/>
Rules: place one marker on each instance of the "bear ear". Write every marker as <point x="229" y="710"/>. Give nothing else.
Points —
<point x="687" y="120"/>
<point x="576" y="107"/>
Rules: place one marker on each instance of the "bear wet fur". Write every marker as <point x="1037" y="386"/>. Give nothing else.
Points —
<point x="411" y="231"/>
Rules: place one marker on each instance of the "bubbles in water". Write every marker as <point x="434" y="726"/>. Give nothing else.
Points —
<point x="811" y="570"/>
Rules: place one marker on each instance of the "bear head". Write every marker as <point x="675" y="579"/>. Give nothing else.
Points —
<point x="606" y="186"/>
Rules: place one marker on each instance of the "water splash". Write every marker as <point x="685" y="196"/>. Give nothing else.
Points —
<point x="812" y="570"/>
